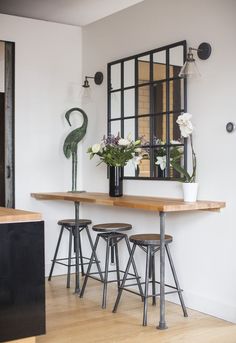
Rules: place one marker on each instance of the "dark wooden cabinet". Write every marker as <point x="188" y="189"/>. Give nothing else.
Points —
<point x="22" y="288"/>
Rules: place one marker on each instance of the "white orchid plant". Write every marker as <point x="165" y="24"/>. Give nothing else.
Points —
<point x="186" y="129"/>
<point x="117" y="151"/>
<point x="176" y="151"/>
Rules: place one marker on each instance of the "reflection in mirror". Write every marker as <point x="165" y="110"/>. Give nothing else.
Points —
<point x="115" y="105"/>
<point x="115" y="127"/>
<point x="150" y="91"/>
<point x="143" y="100"/>
<point x="129" y="72"/>
<point x="115" y="82"/>
<point x="159" y="97"/>
<point x="144" y="128"/>
<point x="176" y="57"/>
<point x="159" y="65"/>
<point x="176" y="95"/>
<point x="144" y="69"/>
<point x="129" y="102"/>
<point x="129" y="128"/>
<point x="144" y="167"/>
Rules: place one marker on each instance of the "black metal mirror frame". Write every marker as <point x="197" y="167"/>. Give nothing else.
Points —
<point x="151" y="84"/>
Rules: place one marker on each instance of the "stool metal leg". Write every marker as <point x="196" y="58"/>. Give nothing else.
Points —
<point x="134" y="268"/>
<point x="176" y="281"/>
<point x="117" y="262"/>
<point x="55" y="254"/>
<point x="104" y="296"/>
<point x="80" y="252"/>
<point x="89" y="266"/>
<point x="162" y="322"/>
<point x="124" y="278"/>
<point x="69" y="259"/>
<point x="76" y="247"/>
<point x="148" y="260"/>
<point x="95" y="254"/>
<point x="112" y="244"/>
<point x="153" y="277"/>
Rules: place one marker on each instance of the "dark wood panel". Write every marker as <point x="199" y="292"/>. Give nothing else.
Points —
<point x="2" y="150"/>
<point x="22" y="293"/>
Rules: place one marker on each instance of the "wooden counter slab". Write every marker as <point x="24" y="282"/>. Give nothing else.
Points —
<point x="131" y="201"/>
<point x="10" y="215"/>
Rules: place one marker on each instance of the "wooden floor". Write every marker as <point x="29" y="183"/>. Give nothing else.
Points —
<point x="71" y="320"/>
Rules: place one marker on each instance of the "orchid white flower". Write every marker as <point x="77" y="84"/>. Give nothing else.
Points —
<point x="136" y="160"/>
<point x="96" y="148"/>
<point x="185" y="125"/>
<point x="161" y="161"/>
<point x="123" y="142"/>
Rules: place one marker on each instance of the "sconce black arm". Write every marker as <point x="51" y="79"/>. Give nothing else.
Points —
<point x="98" y="79"/>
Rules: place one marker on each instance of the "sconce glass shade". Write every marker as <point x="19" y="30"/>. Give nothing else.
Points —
<point x="86" y="95"/>
<point x="189" y="68"/>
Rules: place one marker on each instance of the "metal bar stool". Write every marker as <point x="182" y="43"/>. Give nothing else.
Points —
<point x="112" y="234"/>
<point x="150" y="244"/>
<point x="69" y="224"/>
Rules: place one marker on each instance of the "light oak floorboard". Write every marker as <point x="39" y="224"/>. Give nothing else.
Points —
<point x="71" y="319"/>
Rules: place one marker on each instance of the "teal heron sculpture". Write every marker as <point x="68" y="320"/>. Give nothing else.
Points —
<point x="70" y="146"/>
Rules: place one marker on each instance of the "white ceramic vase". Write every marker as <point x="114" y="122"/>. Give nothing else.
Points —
<point x="190" y="191"/>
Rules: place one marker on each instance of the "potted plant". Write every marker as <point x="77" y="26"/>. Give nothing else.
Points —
<point x="115" y="152"/>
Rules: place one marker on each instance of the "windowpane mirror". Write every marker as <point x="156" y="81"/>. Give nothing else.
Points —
<point x="145" y="98"/>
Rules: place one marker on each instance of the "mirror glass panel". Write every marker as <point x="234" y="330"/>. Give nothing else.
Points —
<point x="115" y="82"/>
<point x="115" y="127"/>
<point x="115" y="105"/>
<point x="144" y="69"/>
<point x="145" y="98"/>
<point x="129" y="102"/>
<point x="159" y="65"/>
<point x="129" y="73"/>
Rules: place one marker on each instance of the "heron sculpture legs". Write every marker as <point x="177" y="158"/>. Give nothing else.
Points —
<point x="74" y="171"/>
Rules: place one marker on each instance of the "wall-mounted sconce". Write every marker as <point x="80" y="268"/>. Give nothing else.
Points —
<point x="98" y="78"/>
<point x="190" y="68"/>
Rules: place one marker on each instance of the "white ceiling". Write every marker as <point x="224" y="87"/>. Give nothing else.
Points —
<point x="73" y="12"/>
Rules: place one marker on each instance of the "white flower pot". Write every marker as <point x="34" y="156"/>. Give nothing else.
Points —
<point x="190" y="191"/>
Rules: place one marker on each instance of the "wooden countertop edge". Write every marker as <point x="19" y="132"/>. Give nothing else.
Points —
<point x="11" y="215"/>
<point x="135" y="202"/>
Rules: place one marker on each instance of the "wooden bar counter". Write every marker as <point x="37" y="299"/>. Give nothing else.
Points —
<point x="157" y="204"/>
<point x="22" y="292"/>
<point x="132" y="201"/>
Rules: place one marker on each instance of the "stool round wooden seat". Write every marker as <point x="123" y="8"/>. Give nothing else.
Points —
<point x="70" y="225"/>
<point x="149" y="239"/>
<point x="112" y="234"/>
<point x="150" y="244"/>
<point x="111" y="227"/>
<point x="71" y="222"/>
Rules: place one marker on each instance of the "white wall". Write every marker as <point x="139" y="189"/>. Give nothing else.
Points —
<point x="47" y="84"/>
<point x="203" y="248"/>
